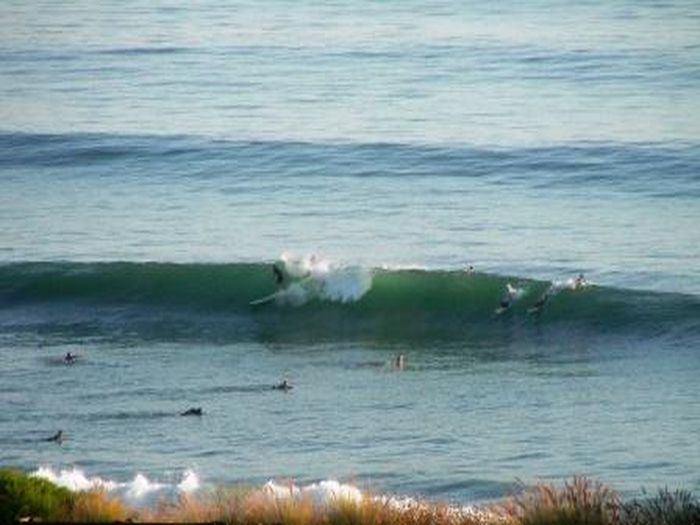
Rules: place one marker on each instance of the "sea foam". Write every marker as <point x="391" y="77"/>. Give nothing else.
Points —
<point x="322" y="493"/>
<point x="317" y="278"/>
<point x="328" y="492"/>
<point x="139" y="490"/>
<point x="142" y="491"/>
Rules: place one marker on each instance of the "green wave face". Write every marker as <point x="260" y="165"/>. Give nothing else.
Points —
<point x="238" y="301"/>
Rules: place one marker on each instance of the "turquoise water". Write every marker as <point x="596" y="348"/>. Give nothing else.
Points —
<point x="156" y="160"/>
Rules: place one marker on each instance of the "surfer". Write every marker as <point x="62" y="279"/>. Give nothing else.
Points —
<point x="506" y="300"/>
<point x="279" y="276"/>
<point x="537" y="307"/>
<point x="580" y="282"/>
<point x="56" y="438"/>
<point x="192" y="412"/>
<point x="284" y="386"/>
<point x="70" y="358"/>
<point x="400" y="362"/>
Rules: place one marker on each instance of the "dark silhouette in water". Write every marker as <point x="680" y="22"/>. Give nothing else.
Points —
<point x="56" y="438"/>
<point x="193" y="412"/>
<point x="507" y="299"/>
<point x="70" y="358"/>
<point x="539" y="305"/>
<point x="279" y="276"/>
<point x="284" y="386"/>
<point x="400" y="362"/>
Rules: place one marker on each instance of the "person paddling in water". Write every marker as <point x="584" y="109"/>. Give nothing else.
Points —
<point x="70" y="358"/>
<point x="539" y="305"/>
<point x="284" y="386"/>
<point x="56" y="438"/>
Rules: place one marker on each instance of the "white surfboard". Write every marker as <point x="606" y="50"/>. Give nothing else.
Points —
<point x="290" y="294"/>
<point x="501" y="310"/>
<point x="264" y="300"/>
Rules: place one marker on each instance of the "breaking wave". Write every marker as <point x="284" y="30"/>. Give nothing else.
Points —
<point x="303" y="298"/>
<point x="138" y="490"/>
<point x="141" y="491"/>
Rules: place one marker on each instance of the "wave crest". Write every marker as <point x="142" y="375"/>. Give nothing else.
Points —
<point x="318" y="300"/>
<point x="138" y="490"/>
<point x="316" y="278"/>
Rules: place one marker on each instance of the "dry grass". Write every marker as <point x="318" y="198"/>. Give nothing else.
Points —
<point x="578" y="502"/>
<point x="97" y="506"/>
<point x="257" y="507"/>
<point x="223" y="505"/>
<point x="581" y="501"/>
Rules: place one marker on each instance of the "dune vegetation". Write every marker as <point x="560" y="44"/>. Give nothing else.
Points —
<point x="580" y="501"/>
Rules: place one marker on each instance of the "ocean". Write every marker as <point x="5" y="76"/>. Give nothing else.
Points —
<point x="428" y="178"/>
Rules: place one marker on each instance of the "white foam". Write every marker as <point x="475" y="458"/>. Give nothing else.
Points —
<point x="190" y="482"/>
<point x="142" y="491"/>
<point x="330" y="491"/>
<point x="573" y="283"/>
<point x="515" y="293"/>
<point x="138" y="490"/>
<point x="322" y="493"/>
<point x="279" y="491"/>
<point x="73" y="479"/>
<point x="317" y="278"/>
<point x="397" y="267"/>
<point x="298" y="267"/>
<point x="141" y="486"/>
<point x="470" y="512"/>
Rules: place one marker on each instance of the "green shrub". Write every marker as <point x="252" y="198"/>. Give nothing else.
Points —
<point x="665" y="508"/>
<point x="23" y="496"/>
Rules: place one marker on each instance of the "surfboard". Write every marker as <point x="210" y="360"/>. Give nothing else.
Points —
<point x="294" y="286"/>
<point x="265" y="300"/>
<point x="501" y="310"/>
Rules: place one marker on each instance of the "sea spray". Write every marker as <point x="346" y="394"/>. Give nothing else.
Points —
<point x="322" y="493"/>
<point x="316" y="278"/>
<point x="74" y="479"/>
<point x="326" y="496"/>
<point x="142" y="490"/>
<point x="190" y="482"/>
<point x="139" y="491"/>
<point x="327" y="493"/>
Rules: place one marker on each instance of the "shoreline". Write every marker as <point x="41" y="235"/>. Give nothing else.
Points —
<point x="27" y="498"/>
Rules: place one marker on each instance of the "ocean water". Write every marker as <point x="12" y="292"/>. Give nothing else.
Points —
<point x="157" y="159"/>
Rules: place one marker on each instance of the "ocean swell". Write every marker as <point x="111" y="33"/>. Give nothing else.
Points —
<point x="310" y="298"/>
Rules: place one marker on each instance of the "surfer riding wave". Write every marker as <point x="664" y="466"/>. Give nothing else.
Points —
<point x="302" y="279"/>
